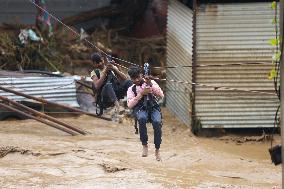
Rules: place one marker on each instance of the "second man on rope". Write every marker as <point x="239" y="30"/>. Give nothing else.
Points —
<point x="109" y="83"/>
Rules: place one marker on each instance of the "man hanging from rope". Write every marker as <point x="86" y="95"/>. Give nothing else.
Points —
<point x="109" y="83"/>
<point x="141" y="97"/>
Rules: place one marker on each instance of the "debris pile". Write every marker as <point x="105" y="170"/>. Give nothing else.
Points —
<point x="52" y="46"/>
<point x="112" y="168"/>
<point x="59" y="48"/>
<point x="13" y="149"/>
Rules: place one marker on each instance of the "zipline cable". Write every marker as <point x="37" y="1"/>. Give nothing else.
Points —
<point x="170" y="80"/>
<point x="75" y="32"/>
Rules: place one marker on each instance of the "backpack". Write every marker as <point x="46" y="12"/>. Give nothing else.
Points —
<point x="101" y="101"/>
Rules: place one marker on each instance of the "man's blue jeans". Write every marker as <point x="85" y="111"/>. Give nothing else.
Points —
<point x="156" y="118"/>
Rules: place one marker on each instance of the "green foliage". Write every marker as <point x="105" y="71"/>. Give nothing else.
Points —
<point x="272" y="74"/>
<point x="276" y="57"/>
<point x="274" y="42"/>
<point x="274" y="21"/>
<point x="273" y="5"/>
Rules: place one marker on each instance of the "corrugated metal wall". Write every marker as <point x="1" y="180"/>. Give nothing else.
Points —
<point x="179" y="52"/>
<point x="22" y="11"/>
<point x="235" y="33"/>
<point x="56" y="89"/>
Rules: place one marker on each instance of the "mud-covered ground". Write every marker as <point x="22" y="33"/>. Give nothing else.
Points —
<point x="110" y="157"/>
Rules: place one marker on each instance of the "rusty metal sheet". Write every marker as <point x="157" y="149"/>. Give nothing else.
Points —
<point x="235" y="33"/>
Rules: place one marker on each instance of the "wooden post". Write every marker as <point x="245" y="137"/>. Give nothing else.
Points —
<point x="52" y="103"/>
<point x="40" y="114"/>
<point x="38" y="119"/>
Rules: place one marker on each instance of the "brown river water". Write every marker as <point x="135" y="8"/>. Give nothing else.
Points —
<point x="110" y="157"/>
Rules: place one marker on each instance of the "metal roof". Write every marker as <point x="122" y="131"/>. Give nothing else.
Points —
<point x="57" y="89"/>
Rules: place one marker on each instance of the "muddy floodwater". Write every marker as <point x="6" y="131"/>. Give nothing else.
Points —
<point x="110" y="157"/>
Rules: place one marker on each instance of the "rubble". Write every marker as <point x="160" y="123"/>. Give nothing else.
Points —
<point x="29" y="48"/>
<point x="65" y="50"/>
<point x="5" y="150"/>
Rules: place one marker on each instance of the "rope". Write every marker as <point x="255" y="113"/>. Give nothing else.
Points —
<point x="216" y="65"/>
<point x="181" y="82"/>
<point x="214" y="86"/>
<point x="131" y="63"/>
<point x="75" y="32"/>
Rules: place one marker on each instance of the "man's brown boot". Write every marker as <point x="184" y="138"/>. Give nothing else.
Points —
<point x="157" y="154"/>
<point x="145" y="151"/>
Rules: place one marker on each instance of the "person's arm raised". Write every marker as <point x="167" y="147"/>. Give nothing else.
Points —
<point x="117" y="72"/>
<point x="99" y="81"/>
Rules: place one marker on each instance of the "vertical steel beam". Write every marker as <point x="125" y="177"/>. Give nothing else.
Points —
<point x="282" y="85"/>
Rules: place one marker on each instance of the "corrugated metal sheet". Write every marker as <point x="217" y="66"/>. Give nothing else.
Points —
<point x="179" y="52"/>
<point x="22" y="11"/>
<point x="57" y="89"/>
<point x="235" y="33"/>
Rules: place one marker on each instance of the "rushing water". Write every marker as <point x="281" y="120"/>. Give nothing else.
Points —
<point x="110" y="157"/>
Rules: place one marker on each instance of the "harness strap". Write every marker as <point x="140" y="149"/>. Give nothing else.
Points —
<point x="141" y="103"/>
